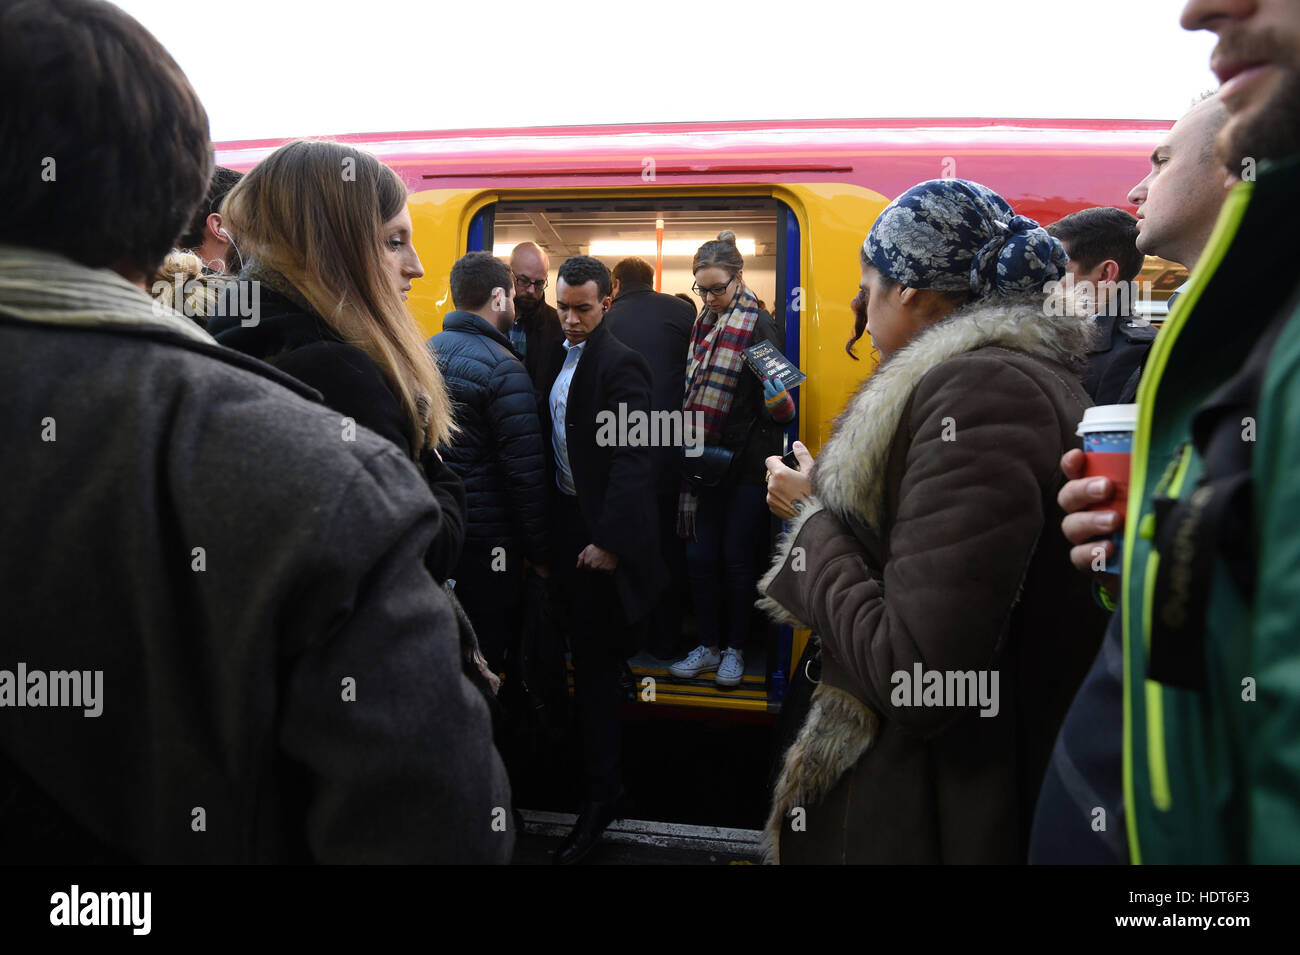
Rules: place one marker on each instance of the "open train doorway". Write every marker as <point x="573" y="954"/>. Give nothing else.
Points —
<point x="666" y="233"/>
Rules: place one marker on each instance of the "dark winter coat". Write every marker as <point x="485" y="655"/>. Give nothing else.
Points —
<point x="1115" y="365"/>
<point x="934" y="542"/>
<point x="300" y="344"/>
<point x="658" y="328"/>
<point x="542" y="333"/>
<point x="197" y="531"/>
<point x="750" y="430"/>
<point x="498" y="453"/>
<point x="615" y="482"/>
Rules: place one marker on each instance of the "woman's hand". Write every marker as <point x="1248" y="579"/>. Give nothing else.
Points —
<point x="785" y="485"/>
<point x="777" y="400"/>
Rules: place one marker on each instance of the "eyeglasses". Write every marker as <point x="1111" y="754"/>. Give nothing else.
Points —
<point x="713" y="290"/>
<point x="526" y="283"/>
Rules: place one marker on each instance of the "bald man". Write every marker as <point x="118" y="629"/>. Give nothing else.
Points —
<point x="1179" y="200"/>
<point x="537" y="326"/>
<point x="1178" y="203"/>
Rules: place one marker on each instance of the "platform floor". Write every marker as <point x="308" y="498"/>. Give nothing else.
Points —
<point x="638" y="842"/>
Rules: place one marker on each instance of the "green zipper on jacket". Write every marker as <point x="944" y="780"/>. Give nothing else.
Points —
<point x="1157" y="763"/>
<point x="1225" y="230"/>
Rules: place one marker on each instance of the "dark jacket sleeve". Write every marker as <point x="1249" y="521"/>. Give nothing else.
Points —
<point x="968" y="517"/>
<point x="630" y="488"/>
<point x="395" y="743"/>
<point x="750" y="430"/>
<point x="512" y="413"/>
<point x="449" y="491"/>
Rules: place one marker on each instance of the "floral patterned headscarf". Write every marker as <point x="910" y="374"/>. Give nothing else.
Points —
<point x="954" y="235"/>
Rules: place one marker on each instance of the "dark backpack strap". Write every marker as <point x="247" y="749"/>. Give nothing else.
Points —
<point x="1214" y="522"/>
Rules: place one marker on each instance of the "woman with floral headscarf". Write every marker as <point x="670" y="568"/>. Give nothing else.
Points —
<point x="953" y="631"/>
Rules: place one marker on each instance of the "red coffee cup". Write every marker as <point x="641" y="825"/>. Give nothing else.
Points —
<point x="1107" y="432"/>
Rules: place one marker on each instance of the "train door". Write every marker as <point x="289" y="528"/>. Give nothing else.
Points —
<point x="666" y="233"/>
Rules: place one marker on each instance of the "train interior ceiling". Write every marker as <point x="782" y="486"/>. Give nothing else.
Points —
<point x="611" y="231"/>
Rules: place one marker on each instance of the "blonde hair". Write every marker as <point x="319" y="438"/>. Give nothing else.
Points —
<point x="313" y="211"/>
<point x="200" y="293"/>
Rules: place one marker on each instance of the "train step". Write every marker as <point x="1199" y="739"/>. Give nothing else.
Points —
<point x="639" y="842"/>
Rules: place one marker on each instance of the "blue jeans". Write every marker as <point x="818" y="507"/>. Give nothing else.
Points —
<point x="722" y="561"/>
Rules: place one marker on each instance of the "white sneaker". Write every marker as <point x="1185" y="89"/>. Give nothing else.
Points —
<point x="700" y="660"/>
<point x="731" y="670"/>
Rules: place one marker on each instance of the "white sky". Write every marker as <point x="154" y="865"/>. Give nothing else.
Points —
<point x="268" y="68"/>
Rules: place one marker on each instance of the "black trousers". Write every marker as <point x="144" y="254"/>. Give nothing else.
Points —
<point x="490" y="588"/>
<point x="665" y="624"/>
<point x="597" y="640"/>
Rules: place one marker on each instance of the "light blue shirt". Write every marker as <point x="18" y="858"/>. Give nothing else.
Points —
<point x="559" y="406"/>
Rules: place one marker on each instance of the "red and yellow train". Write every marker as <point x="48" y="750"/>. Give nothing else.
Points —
<point x="799" y="195"/>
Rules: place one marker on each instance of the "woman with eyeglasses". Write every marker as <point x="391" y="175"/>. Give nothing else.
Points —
<point x="722" y="510"/>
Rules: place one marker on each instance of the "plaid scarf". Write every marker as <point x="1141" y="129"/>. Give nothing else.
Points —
<point x="713" y="371"/>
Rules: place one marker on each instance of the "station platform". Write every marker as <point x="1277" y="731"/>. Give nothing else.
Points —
<point x="638" y="842"/>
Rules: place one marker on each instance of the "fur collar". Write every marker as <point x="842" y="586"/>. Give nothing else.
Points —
<point x="849" y="475"/>
<point x="849" y="481"/>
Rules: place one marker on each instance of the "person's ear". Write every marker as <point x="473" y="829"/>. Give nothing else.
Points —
<point x="906" y="295"/>
<point x="213" y="226"/>
<point x="613" y="289"/>
<point x="1108" y="271"/>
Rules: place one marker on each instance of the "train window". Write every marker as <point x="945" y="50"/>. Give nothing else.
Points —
<point x="1157" y="281"/>
<point x="612" y="229"/>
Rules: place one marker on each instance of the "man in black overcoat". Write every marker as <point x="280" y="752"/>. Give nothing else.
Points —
<point x="658" y="328"/>
<point x="603" y="537"/>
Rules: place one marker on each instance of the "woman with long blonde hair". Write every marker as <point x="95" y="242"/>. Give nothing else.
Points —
<point x="325" y="236"/>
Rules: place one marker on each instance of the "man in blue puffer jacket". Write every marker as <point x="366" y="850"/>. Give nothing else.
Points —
<point x="498" y="454"/>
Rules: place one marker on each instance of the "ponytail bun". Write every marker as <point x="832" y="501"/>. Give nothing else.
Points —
<point x="720" y="252"/>
<point x="1020" y="258"/>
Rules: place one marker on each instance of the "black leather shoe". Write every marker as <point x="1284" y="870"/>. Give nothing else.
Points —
<point x="593" y="818"/>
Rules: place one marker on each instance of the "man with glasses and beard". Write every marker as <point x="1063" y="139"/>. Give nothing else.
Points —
<point x="537" y="325"/>
<point x="1211" y="571"/>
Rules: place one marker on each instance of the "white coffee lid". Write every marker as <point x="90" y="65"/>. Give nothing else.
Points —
<point x="1108" y="418"/>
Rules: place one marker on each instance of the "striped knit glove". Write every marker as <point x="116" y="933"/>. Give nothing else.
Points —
<point x="780" y="406"/>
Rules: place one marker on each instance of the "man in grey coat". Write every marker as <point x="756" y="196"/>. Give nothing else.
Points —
<point x="220" y="643"/>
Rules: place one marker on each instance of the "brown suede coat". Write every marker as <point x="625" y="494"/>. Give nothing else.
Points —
<point x="934" y="541"/>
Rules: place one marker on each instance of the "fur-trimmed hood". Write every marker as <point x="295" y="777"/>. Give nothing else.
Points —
<point x="848" y="477"/>
<point x="849" y="480"/>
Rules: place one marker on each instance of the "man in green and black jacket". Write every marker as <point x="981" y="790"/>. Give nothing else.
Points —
<point x="1211" y="558"/>
<point x="1212" y="663"/>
